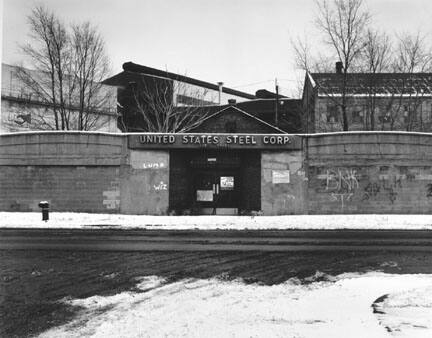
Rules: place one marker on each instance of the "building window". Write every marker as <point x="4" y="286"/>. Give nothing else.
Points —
<point x="384" y="117"/>
<point x="332" y="114"/>
<point x="409" y="114"/>
<point x="430" y="113"/>
<point x="185" y="100"/>
<point x="357" y="116"/>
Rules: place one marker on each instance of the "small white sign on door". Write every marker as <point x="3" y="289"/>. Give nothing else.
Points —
<point x="205" y="195"/>
<point x="280" y="176"/>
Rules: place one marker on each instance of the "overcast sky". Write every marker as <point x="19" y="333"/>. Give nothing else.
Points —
<point x="244" y="43"/>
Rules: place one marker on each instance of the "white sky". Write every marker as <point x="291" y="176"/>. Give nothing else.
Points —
<point x="239" y="42"/>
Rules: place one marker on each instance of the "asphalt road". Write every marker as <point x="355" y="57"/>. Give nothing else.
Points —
<point x="203" y="240"/>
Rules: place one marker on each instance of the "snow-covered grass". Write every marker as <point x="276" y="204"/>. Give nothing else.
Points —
<point x="85" y="220"/>
<point x="220" y="308"/>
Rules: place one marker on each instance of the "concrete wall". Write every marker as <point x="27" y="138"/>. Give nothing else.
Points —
<point x="145" y="183"/>
<point x="370" y="173"/>
<point x="278" y="196"/>
<point x="364" y="172"/>
<point x="87" y="172"/>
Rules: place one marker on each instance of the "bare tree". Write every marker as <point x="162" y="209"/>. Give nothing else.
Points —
<point x="306" y="60"/>
<point x="376" y="58"/>
<point x="156" y="104"/>
<point x="89" y="68"/>
<point x="413" y="54"/>
<point x="344" y="24"/>
<point x="67" y="66"/>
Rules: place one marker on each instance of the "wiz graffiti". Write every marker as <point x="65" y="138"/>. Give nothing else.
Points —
<point x="160" y="186"/>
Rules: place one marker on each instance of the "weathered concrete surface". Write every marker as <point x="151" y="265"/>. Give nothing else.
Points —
<point x="282" y="198"/>
<point x="370" y="173"/>
<point x="83" y="172"/>
<point x="145" y="183"/>
<point x="361" y="172"/>
<point x="60" y="148"/>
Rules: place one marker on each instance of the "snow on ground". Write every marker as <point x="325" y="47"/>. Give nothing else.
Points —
<point x="407" y="312"/>
<point x="218" y="308"/>
<point x="84" y="220"/>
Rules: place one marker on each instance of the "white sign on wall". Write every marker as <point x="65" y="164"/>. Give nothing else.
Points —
<point x="280" y="176"/>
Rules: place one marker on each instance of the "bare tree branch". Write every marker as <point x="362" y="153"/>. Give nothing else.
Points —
<point x="344" y="24"/>
<point x="68" y="66"/>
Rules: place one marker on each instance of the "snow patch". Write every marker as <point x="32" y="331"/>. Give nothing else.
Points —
<point x="220" y="308"/>
<point x="408" y="312"/>
<point x="86" y="220"/>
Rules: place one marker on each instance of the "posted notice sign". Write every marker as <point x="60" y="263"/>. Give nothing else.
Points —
<point x="280" y="176"/>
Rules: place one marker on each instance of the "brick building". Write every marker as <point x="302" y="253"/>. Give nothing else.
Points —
<point x="373" y="101"/>
<point x="151" y="100"/>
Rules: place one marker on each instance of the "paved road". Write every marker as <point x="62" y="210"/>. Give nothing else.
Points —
<point x="199" y="240"/>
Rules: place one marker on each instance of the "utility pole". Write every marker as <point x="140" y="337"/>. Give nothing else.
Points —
<point x="277" y="104"/>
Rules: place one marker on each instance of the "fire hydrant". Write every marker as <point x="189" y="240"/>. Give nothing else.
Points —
<point x="44" y="205"/>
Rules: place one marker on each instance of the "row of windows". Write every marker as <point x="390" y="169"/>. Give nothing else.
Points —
<point x="408" y="114"/>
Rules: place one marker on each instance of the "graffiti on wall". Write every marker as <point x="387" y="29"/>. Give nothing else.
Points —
<point x="340" y="180"/>
<point x="340" y="184"/>
<point x="371" y="184"/>
<point x="429" y="190"/>
<point x="160" y="186"/>
<point x="388" y="186"/>
<point x="342" y="198"/>
<point x="155" y="165"/>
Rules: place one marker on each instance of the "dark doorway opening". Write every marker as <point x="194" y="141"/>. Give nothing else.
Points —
<point x="215" y="182"/>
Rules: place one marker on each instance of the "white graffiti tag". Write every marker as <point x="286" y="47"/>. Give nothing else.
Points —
<point x="341" y="197"/>
<point x="340" y="184"/>
<point x="340" y="180"/>
<point x="160" y="186"/>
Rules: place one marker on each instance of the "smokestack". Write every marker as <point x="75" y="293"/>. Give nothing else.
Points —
<point x="339" y="67"/>
<point x="220" y="84"/>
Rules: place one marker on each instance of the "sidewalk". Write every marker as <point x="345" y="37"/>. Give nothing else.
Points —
<point x="68" y="220"/>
